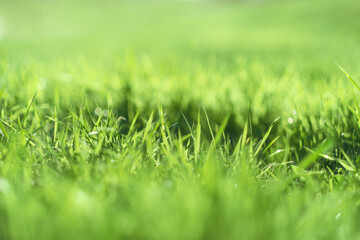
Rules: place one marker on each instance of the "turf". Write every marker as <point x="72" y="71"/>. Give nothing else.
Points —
<point x="179" y="120"/>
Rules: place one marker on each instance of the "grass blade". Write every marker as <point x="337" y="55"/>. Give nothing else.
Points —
<point x="348" y="76"/>
<point x="27" y="111"/>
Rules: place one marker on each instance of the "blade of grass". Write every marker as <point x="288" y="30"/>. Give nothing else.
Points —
<point x="318" y="152"/>
<point x="208" y="122"/>
<point x="27" y="111"/>
<point x="348" y="76"/>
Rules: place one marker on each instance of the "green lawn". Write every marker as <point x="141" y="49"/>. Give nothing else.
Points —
<point x="179" y="119"/>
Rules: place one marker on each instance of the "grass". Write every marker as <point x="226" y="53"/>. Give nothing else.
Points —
<point x="182" y="120"/>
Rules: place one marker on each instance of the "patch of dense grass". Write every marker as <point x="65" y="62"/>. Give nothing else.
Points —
<point x="184" y="120"/>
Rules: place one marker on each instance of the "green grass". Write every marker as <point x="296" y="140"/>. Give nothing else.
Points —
<point x="181" y="120"/>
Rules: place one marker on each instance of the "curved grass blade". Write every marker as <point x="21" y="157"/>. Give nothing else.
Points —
<point x="27" y="111"/>
<point x="348" y="76"/>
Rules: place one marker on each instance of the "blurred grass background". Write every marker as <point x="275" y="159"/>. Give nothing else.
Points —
<point x="260" y="58"/>
<point x="254" y="60"/>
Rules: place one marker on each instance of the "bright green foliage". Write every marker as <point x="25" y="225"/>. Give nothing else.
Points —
<point x="181" y="120"/>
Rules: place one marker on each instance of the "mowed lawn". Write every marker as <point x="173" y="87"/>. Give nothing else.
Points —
<point x="180" y="119"/>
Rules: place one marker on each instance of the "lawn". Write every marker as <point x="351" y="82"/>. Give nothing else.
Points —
<point x="180" y="119"/>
